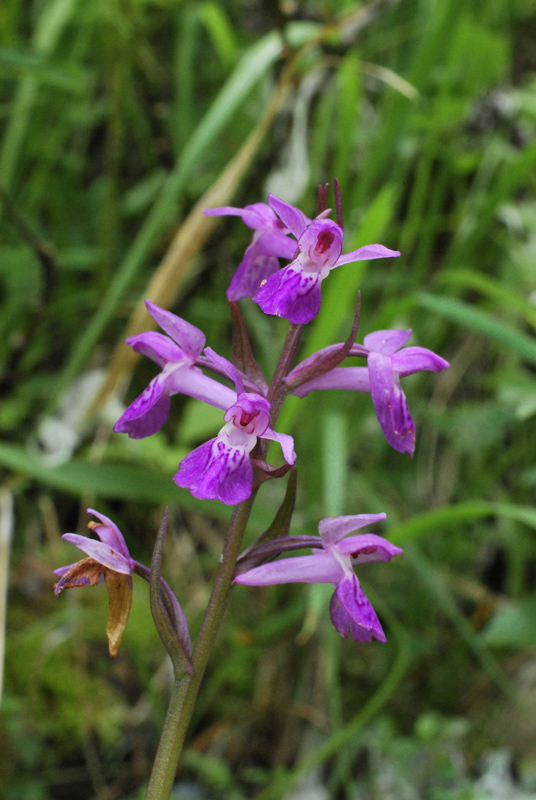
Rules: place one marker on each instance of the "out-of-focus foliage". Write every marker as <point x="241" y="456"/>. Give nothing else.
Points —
<point x="117" y="115"/>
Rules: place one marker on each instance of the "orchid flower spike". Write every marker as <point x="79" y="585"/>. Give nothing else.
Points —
<point x="332" y="562"/>
<point x="108" y="562"/>
<point x="270" y="242"/>
<point x="386" y="364"/>
<point x="176" y="354"/>
<point x="221" y="469"/>
<point x="294" y="292"/>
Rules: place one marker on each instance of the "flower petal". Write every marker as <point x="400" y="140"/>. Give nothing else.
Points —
<point x="87" y="572"/>
<point x="256" y="216"/>
<point x="360" y="619"/>
<point x="386" y="342"/>
<point x="294" y="219"/>
<point x="390" y="404"/>
<point x="354" y="378"/>
<point x="319" y="568"/>
<point x="192" y="382"/>
<point x="187" y="336"/>
<point x="320" y="244"/>
<point x="286" y="442"/>
<point x="157" y="347"/>
<point x="367" y="253"/>
<point x="333" y="529"/>
<point x="227" y="368"/>
<point x="101" y="552"/>
<point x="255" y="268"/>
<point x="367" y="547"/>
<point x="291" y="293"/>
<point x="148" y="413"/>
<point x="109" y="533"/>
<point x="119" y="604"/>
<point x="415" y="359"/>
<point x="216" y="471"/>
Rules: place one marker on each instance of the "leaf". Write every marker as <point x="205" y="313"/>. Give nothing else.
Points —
<point x="513" y="625"/>
<point x="481" y="322"/>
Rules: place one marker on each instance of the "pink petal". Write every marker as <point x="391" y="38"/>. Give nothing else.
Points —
<point x="187" y="336"/>
<point x="367" y="547"/>
<point x="390" y="404"/>
<point x="109" y="533"/>
<point x="415" y="359"/>
<point x="367" y="253"/>
<point x="192" y="382"/>
<point x="148" y="413"/>
<point x="320" y="568"/>
<point x="294" y="219"/>
<point x="286" y="442"/>
<point x="354" y="378"/>
<point x="361" y="620"/>
<point x="291" y="293"/>
<point x="386" y="342"/>
<point x="159" y="348"/>
<point x="215" y="471"/>
<point x="256" y="216"/>
<point x="100" y="552"/>
<point x="255" y="268"/>
<point x="333" y="529"/>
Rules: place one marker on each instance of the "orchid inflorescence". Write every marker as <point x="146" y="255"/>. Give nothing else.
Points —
<point x="232" y="466"/>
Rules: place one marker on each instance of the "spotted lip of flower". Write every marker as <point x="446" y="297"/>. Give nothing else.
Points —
<point x="108" y="562"/>
<point x="333" y="562"/>
<point x="294" y="292"/>
<point x="270" y="242"/>
<point x="221" y="468"/>
<point x="176" y="354"/>
<point x="386" y="364"/>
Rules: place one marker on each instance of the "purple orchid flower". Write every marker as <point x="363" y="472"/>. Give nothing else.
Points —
<point x="386" y="364"/>
<point x="270" y="242"/>
<point x="294" y="292"/>
<point x="177" y="355"/>
<point x="221" y="469"/>
<point x="333" y="562"/>
<point x="109" y="562"/>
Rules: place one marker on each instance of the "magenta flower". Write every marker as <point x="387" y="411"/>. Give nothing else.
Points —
<point x="270" y="242"/>
<point x="294" y="292"/>
<point x="221" y="469"/>
<point x="386" y="364"/>
<point x="177" y="355"/>
<point x="333" y="562"/>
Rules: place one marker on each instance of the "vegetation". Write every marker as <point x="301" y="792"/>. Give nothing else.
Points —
<point x="122" y="120"/>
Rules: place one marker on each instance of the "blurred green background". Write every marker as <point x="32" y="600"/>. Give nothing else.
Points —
<point x="120" y="116"/>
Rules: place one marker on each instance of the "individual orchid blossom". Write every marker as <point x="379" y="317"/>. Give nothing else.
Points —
<point x="221" y="469"/>
<point x="332" y="562"/>
<point x="270" y="242"/>
<point x="294" y="292"/>
<point x="108" y="562"/>
<point x="177" y="354"/>
<point x="386" y="364"/>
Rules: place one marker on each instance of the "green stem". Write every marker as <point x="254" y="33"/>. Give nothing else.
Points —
<point x="185" y="689"/>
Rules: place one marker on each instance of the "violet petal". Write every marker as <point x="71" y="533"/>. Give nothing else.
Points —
<point x="386" y="342"/>
<point x="367" y="253"/>
<point x="100" y="552"/>
<point x="333" y="529"/>
<point x="148" y="413"/>
<point x="320" y="568"/>
<point x="291" y="293"/>
<point x="187" y="336"/>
